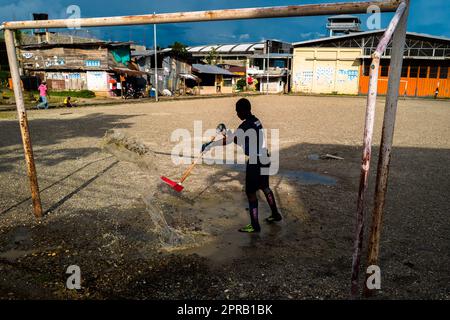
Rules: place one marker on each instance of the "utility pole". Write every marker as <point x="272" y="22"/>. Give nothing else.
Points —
<point x="156" y="62"/>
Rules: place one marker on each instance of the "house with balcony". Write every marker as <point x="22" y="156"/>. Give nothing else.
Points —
<point x="268" y="62"/>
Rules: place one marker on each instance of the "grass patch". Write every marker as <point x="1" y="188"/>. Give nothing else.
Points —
<point x="8" y="115"/>
<point x="74" y="94"/>
<point x="70" y="93"/>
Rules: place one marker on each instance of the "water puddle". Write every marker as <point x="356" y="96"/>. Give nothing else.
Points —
<point x="313" y="157"/>
<point x="206" y="223"/>
<point x="232" y="244"/>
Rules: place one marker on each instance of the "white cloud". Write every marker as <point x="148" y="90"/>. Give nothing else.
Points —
<point x="311" y="35"/>
<point x="244" y="36"/>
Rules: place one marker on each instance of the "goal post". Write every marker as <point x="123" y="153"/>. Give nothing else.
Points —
<point x="396" y="30"/>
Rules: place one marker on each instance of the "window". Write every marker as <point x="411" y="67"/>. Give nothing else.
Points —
<point x="366" y="69"/>
<point x="444" y="73"/>
<point x="413" y="52"/>
<point x="208" y="80"/>
<point x="413" y="71"/>
<point x="439" y="52"/>
<point x="384" y="71"/>
<point x="404" y="71"/>
<point x="227" y="82"/>
<point x="423" y="72"/>
<point x="433" y="72"/>
<point x="280" y="63"/>
<point x="426" y="52"/>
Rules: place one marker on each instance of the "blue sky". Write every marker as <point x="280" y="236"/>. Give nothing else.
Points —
<point x="427" y="16"/>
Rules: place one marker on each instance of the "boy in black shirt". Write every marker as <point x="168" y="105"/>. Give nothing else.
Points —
<point x="250" y="137"/>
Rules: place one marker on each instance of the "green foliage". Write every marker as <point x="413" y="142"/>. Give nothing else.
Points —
<point x="241" y="84"/>
<point x="18" y="36"/>
<point x="74" y="94"/>
<point x="212" y="57"/>
<point x="179" y="50"/>
<point x="4" y="75"/>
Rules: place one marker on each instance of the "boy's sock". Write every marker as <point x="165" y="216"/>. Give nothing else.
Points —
<point x="273" y="206"/>
<point x="253" y="210"/>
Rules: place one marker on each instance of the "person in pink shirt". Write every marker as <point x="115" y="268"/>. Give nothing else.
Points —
<point x="43" y="96"/>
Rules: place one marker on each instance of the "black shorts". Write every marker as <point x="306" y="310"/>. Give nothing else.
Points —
<point x="254" y="180"/>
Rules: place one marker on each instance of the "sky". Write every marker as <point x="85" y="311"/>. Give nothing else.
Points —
<point x="426" y="16"/>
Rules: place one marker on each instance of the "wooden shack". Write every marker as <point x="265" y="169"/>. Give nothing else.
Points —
<point x="77" y="66"/>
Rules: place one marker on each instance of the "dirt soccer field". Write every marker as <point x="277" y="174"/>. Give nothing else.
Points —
<point x="132" y="238"/>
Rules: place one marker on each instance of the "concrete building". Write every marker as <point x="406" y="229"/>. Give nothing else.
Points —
<point x="213" y="79"/>
<point x="340" y="65"/>
<point x="267" y="61"/>
<point x="343" y="24"/>
<point x="174" y="74"/>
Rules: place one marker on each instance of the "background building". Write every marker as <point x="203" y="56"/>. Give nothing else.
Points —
<point x="214" y="79"/>
<point x="78" y="66"/>
<point x="268" y="61"/>
<point x="174" y="73"/>
<point x="343" y="24"/>
<point x="341" y="65"/>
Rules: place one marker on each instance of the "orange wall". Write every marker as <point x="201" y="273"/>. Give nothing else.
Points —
<point x="420" y="87"/>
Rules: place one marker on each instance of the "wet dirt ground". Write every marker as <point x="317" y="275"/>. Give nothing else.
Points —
<point x="108" y="213"/>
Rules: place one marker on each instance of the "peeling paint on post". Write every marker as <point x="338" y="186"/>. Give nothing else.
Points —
<point x="367" y="146"/>
<point x="213" y="15"/>
<point x="386" y="141"/>
<point x="365" y="165"/>
<point x="23" y="122"/>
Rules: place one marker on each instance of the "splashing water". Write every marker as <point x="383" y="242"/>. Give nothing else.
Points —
<point x="167" y="235"/>
<point x="133" y="150"/>
<point x="130" y="149"/>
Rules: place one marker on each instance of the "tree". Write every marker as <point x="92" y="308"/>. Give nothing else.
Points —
<point x="241" y="84"/>
<point x="18" y="36"/>
<point x="212" y="57"/>
<point x="179" y="50"/>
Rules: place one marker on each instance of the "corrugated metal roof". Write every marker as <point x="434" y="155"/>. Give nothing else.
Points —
<point x="358" y="34"/>
<point x="128" y="71"/>
<point x="195" y="49"/>
<point x="208" y="48"/>
<point x="243" y="47"/>
<point x="75" y="45"/>
<point x="343" y="16"/>
<point x="209" y="69"/>
<point x="228" y="48"/>
<point x="147" y="53"/>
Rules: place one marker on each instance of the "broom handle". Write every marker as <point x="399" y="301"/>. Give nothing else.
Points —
<point x="188" y="171"/>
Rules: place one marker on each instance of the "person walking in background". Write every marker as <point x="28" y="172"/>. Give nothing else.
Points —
<point x="43" y="96"/>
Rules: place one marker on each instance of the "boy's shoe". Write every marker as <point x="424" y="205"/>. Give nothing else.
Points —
<point x="249" y="229"/>
<point x="274" y="218"/>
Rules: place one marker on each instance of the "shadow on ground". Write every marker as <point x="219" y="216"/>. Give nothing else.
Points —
<point x="118" y="255"/>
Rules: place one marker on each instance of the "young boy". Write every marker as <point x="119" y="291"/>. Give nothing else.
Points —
<point x="67" y="102"/>
<point x="249" y="136"/>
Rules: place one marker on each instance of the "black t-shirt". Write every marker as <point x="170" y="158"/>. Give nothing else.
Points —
<point x="250" y="137"/>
